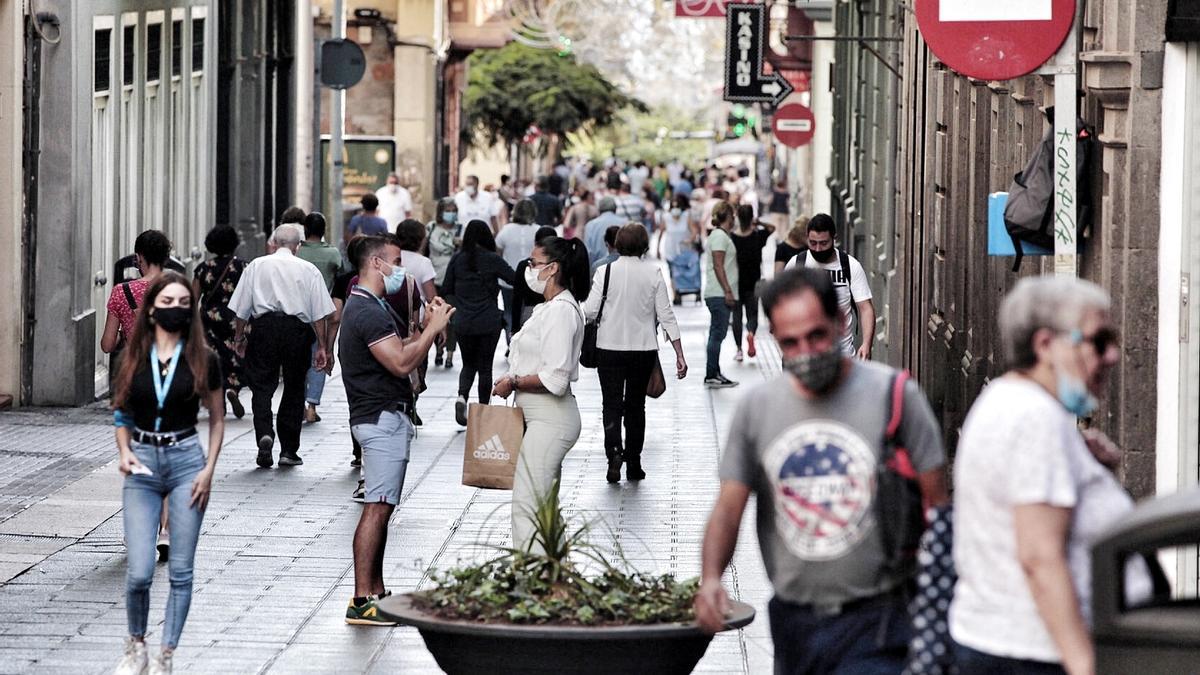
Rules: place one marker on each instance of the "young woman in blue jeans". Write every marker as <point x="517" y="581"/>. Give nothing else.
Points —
<point x="167" y="372"/>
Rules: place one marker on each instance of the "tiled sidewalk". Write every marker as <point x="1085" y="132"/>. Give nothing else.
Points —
<point x="273" y="571"/>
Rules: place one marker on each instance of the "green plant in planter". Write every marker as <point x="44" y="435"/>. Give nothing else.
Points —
<point x="544" y="584"/>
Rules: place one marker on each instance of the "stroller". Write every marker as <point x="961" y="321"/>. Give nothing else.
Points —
<point x="685" y="274"/>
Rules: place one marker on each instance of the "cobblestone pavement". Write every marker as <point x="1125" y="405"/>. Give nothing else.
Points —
<point x="273" y="570"/>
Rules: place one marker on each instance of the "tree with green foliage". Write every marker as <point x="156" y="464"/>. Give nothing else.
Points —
<point x="516" y="87"/>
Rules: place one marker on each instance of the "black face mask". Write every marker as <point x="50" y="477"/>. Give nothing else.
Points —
<point x="173" y="319"/>
<point x="823" y="256"/>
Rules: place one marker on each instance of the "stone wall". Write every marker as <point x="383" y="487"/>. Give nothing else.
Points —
<point x="956" y="141"/>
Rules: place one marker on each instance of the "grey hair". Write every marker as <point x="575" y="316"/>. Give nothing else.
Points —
<point x="1055" y="303"/>
<point x="287" y="236"/>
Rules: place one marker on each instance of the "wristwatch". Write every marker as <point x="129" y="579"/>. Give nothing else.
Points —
<point x="515" y="381"/>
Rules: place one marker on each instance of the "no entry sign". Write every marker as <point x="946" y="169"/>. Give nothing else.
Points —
<point x="794" y="125"/>
<point x="994" y="40"/>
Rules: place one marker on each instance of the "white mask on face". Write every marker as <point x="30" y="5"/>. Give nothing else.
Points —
<point x="472" y="190"/>
<point x="534" y="281"/>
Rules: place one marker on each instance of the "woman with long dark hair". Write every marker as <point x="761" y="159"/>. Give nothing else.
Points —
<point x="167" y="372"/>
<point x="214" y="282"/>
<point x="749" y="237"/>
<point x="472" y="282"/>
<point x="543" y="362"/>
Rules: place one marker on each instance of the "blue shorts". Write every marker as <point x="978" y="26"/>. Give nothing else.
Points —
<point x="385" y="447"/>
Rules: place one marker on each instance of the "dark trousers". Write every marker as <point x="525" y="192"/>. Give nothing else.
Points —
<point x="748" y="303"/>
<point x="506" y="296"/>
<point x="869" y="639"/>
<point x="623" y="380"/>
<point x="278" y="345"/>
<point x="972" y="661"/>
<point x="718" y="328"/>
<point x="478" y="353"/>
<point x="450" y="335"/>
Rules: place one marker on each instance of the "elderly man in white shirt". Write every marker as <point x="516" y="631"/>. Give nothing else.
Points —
<point x="395" y="201"/>
<point x="475" y="204"/>
<point x="284" y="301"/>
<point x="629" y="301"/>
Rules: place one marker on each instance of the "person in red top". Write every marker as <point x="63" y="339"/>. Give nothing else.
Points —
<point x="151" y="248"/>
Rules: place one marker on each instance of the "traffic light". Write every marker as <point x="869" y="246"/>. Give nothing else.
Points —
<point x="740" y="122"/>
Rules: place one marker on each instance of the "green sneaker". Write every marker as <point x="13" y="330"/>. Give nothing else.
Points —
<point x="366" y="614"/>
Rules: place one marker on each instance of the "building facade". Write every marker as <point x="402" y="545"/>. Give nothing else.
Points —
<point x="134" y="117"/>
<point x="917" y="149"/>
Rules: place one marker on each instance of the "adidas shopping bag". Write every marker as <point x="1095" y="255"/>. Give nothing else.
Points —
<point x="493" y="442"/>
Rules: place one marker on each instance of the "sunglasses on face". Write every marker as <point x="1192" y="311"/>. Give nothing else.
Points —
<point x="1101" y="340"/>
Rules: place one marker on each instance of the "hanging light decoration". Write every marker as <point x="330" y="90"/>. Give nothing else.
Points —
<point x="545" y="24"/>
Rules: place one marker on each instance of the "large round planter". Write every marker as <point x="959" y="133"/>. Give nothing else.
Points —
<point x="468" y="648"/>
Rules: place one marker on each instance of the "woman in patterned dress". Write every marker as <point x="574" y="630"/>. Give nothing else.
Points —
<point x="214" y="283"/>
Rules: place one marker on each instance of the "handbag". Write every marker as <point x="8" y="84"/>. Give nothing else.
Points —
<point x="589" y="354"/>
<point x="657" y="386"/>
<point x="493" y="445"/>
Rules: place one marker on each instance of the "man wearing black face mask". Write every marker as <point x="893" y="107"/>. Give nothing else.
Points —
<point x="849" y="279"/>
<point x="810" y="444"/>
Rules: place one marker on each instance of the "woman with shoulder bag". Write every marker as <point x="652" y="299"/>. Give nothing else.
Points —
<point x="633" y="300"/>
<point x="543" y="362"/>
<point x="167" y="372"/>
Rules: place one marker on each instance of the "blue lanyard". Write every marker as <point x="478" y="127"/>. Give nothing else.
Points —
<point x="162" y="386"/>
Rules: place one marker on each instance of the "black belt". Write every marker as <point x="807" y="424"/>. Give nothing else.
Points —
<point x="162" y="439"/>
<point x="402" y="407"/>
<point x="276" y="315"/>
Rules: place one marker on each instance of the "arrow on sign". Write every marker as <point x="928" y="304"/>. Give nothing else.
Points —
<point x="778" y="88"/>
<point x="745" y="81"/>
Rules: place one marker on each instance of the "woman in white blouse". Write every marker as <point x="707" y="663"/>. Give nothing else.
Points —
<point x="636" y="302"/>
<point x="543" y="362"/>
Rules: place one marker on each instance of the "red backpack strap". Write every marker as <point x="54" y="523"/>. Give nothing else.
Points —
<point x="897" y="407"/>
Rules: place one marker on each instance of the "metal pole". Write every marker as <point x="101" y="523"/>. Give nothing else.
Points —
<point x="1065" y="112"/>
<point x="304" y="83"/>
<point x="337" y="122"/>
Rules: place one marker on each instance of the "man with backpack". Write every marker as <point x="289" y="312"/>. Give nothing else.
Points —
<point x="840" y="454"/>
<point x="849" y="280"/>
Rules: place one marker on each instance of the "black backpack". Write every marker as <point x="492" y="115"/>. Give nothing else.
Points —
<point x="899" y="505"/>
<point x="1029" y="213"/>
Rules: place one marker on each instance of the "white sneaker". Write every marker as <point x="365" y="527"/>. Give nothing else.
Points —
<point x="161" y="664"/>
<point x="738" y="357"/>
<point x="134" y="661"/>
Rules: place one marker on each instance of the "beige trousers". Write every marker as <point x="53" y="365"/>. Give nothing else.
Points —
<point x="552" y="426"/>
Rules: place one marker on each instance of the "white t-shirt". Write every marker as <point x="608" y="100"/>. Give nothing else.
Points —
<point x="515" y="242"/>
<point x="848" y="294"/>
<point x="395" y="204"/>
<point x="420" y="267"/>
<point x="1020" y="446"/>
<point x="479" y="208"/>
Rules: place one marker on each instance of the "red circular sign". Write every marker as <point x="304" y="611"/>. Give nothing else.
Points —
<point x="794" y="125"/>
<point x="992" y="40"/>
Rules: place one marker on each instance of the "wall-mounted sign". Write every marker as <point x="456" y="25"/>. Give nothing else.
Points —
<point x="745" y="81"/>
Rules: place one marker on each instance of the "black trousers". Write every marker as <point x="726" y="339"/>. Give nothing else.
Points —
<point x="278" y="345"/>
<point x="747" y="303"/>
<point x="623" y="380"/>
<point x="478" y="353"/>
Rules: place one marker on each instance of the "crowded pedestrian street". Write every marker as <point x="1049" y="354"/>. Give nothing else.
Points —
<point x="600" y="337"/>
<point x="273" y="571"/>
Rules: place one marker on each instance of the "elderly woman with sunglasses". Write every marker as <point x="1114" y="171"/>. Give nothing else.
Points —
<point x="1033" y="491"/>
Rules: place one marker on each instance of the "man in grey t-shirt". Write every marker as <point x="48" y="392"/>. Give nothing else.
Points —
<point x="808" y="444"/>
